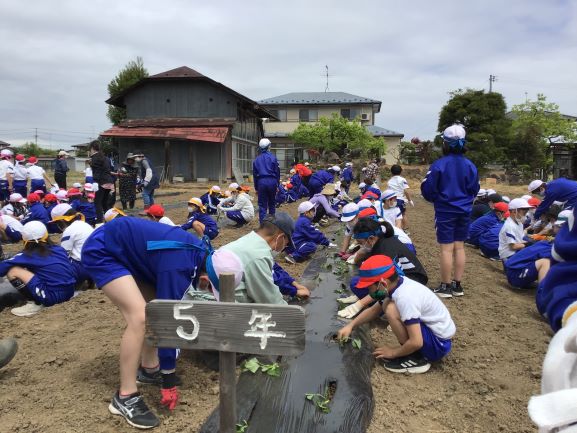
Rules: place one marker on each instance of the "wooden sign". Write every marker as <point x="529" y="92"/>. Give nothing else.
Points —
<point x="261" y="329"/>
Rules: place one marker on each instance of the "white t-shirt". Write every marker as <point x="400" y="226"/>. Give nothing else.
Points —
<point x="391" y="215"/>
<point x="6" y="167"/>
<point x="88" y="172"/>
<point x="35" y="172"/>
<point x="416" y="302"/>
<point x="73" y="238"/>
<point x="166" y="220"/>
<point x="399" y="185"/>
<point x="511" y="233"/>
<point x="20" y="172"/>
<point x="12" y="222"/>
<point x="402" y="236"/>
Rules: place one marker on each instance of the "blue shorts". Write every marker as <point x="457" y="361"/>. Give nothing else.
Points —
<point x="521" y="278"/>
<point x="434" y="348"/>
<point x="47" y="295"/>
<point x="210" y="232"/>
<point x="98" y="263"/>
<point x="452" y="227"/>
<point x="402" y="206"/>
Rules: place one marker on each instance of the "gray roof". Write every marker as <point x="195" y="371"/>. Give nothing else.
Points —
<point x="318" y="98"/>
<point x="377" y="131"/>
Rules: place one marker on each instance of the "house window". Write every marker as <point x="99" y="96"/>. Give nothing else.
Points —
<point x="306" y="115"/>
<point x="280" y="114"/>
<point x="346" y="113"/>
<point x="350" y="113"/>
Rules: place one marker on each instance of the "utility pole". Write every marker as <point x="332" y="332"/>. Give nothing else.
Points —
<point x="327" y="76"/>
<point x="492" y="79"/>
<point x="36" y="136"/>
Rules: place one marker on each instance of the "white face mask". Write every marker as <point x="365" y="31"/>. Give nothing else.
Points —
<point x="394" y="203"/>
<point x="190" y="209"/>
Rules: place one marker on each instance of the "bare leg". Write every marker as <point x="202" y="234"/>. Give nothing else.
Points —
<point x="198" y="227"/>
<point x="460" y="260"/>
<point x="22" y="274"/>
<point x="126" y="295"/>
<point x="397" y="325"/>
<point x="446" y="262"/>
<point x="543" y="266"/>
<point x="149" y="353"/>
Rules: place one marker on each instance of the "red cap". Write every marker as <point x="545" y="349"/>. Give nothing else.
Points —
<point x="73" y="191"/>
<point x="155" y="210"/>
<point x="19" y="157"/>
<point x="501" y="207"/>
<point x="245" y="188"/>
<point x="289" y="185"/>
<point x="533" y="201"/>
<point x="33" y="197"/>
<point x="50" y="198"/>
<point x="32" y="160"/>
<point x="374" y="269"/>
<point x="370" y="211"/>
<point x="370" y="195"/>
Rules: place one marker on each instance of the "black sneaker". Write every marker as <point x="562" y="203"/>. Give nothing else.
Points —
<point x="144" y="378"/>
<point x="443" y="291"/>
<point x="413" y="364"/>
<point x="456" y="289"/>
<point x="134" y="410"/>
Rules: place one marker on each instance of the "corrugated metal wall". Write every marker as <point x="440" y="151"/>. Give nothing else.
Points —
<point x="180" y="99"/>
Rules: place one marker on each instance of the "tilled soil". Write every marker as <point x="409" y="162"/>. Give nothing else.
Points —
<point x="66" y="370"/>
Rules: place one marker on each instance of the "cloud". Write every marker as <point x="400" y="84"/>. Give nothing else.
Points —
<point x="57" y="57"/>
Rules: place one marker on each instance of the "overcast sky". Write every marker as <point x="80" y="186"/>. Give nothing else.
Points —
<point x="56" y="57"/>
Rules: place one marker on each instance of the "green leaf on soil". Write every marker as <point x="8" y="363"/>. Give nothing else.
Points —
<point x="251" y="365"/>
<point x="357" y="343"/>
<point x="241" y="428"/>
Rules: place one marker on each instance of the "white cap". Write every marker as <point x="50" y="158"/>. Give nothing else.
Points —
<point x="349" y="164"/>
<point x="292" y="171"/>
<point x="350" y="211"/>
<point x="6" y="152"/>
<point x="233" y="186"/>
<point x="54" y="189"/>
<point x="535" y="184"/>
<point x="59" y="210"/>
<point x="17" y="198"/>
<point x="216" y="188"/>
<point x="305" y="206"/>
<point x="454" y="132"/>
<point x="7" y="210"/>
<point x="34" y="231"/>
<point x="62" y="195"/>
<point x="306" y="164"/>
<point x="491" y="191"/>
<point x="527" y="197"/>
<point x="77" y="185"/>
<point x="88" y="187"/>
<point x="225" y="261"/>
<point x="388" y="194"/>
<point x="506" y="198"/>
<point x="482" y="192"/>
<point x="264" y="143"/>
<point x="519" y="203"/>
<point x="364" y="203"/>
<point x="362" y="185"/>
<point x="62" y="153"/>
<point x="563" y="217"/>
<point x="335" y="168"/>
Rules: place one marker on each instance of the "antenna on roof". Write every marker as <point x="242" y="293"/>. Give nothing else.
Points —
<point x="327" y="77"/>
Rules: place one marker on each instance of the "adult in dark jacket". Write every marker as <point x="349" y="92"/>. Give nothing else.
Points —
<point x="101" y="173"/>
<point x="149" y="178"/>
<point x="266" y="174"/>
<point x="60" y="169"/>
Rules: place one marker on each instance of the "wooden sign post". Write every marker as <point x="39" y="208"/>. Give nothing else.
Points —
<point x="229" y="327"/>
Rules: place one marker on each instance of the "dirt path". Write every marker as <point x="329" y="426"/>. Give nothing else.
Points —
<point x="66" y="370"/>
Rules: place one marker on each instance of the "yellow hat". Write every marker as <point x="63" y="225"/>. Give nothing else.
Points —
<point x="196" y="201"/>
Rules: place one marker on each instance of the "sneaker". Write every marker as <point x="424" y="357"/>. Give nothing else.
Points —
<point x="408" y="364"/>
<point x="443" y="291"/>
<point x="290" y="259"/>
<point x="456" y="289"/>
<point x="134" y="410"/>
<point x="29" y="309"/>
<point x="144" y="378"/>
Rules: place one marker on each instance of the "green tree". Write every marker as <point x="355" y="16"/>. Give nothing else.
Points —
<point x="337" y="134"/>
<point x="536" y="126"/>
<point x="132" y="73"/>
<point x="483" y="116"/>
<point x="30" y="149"/>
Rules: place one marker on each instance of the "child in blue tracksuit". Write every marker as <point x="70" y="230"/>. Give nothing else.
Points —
<point x="319" y="179"/>
<point x="347" y="177"/>
<point x="489" y="241"/>
<point x="306" y="237"/>
<point x="199" y="220"/>
<point x="451" y="184"/>
<point x="528" y="265"/>
<point x="287" y="284"/>
<point x="37" y="211"/>
<point x="41" y="272"/>
<point x="133" y="261"/>
<point x="266" y="173"/>
<point x="211" y="199"/>
<point x="562" y="190"/>
<point x="281" y="194"/>
<point x="86" y="207"/>
<point x="557" y="292"/>
<point x="299" y="188"/>
<point x="482" y="224"/>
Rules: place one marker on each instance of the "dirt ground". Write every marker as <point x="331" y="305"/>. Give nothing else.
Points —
<point x="66" y="370"/>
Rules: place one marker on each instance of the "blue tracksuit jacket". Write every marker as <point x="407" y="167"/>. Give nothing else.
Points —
<point x="479" y="226"/>
<point x="489" y="241"/>
<point x="347" y="175"/>
<point x="451" y="184"/>
<point x="283" y="280"/>
<point x="561" y="189"/>
<point x="305" y="232"/>
<point x="211" y="202"/>
<point x="265" y="165"/>
<point x="211" y="228"/>
<point x="37" y="213"/>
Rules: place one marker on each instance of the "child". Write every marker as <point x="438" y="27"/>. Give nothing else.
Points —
<point x="388" y="209"/>
<point x="400" y="185"/>
<point x="300" y="190"/>
<point x="281" y="194"/>
<point x="74" y="195"/>
<point x="489" y="240"/>
<point x="211" y="199"/>
<point x="512" y="235"/>
<point x="451" y="184"/>
<point x="349" y="217"/>
<point x="41" y="272"/>
<point x="62" y="196"/>
<point x="18" y="204"/>
<point x="319" y="179"/>
<point x="6" y="173"/>
<point x="528" y="265"/>
<point x="50" y="203"/>
<point x="347" y="177"/>
<point x="113" y="213"/>
<point x="482" y="224"/>
<point x="199" y="220"/>
<point x="85" y="205"/>
<point x="37" y="176"/>
<point x="238" y="206"/>
<point x="419" y="320"/>
<point x="306" y="238"/>
<point x="87" y="173"/>
<point x="156" y="213"/>
<point x="37" y="210"/>
<point x="74" y="234"/>
<point x="561" y="190"/>
<point x="322" y="203"/>
<point x="480" y="205"/>
<point x="287" y="284"/>
<point x="20" y="183"/>
<point x="10" y="228"/>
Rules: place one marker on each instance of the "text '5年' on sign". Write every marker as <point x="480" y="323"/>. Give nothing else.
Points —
<point x="263" y="329"/>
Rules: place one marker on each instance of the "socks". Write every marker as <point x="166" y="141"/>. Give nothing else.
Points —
<point x="151" y="370"/>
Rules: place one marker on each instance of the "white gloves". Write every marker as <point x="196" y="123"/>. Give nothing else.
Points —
<point x="351" y="311"/>
<point x="332" y="245"/>
<point x="412" y="203"/>
<point x="351" y="259"/>
<point x="348" y="300"/>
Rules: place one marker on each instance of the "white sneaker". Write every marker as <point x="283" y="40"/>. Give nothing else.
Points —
<point x="348" y="300"/>
<point x="290" y="259"/>
<point x="30" y="309"/>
